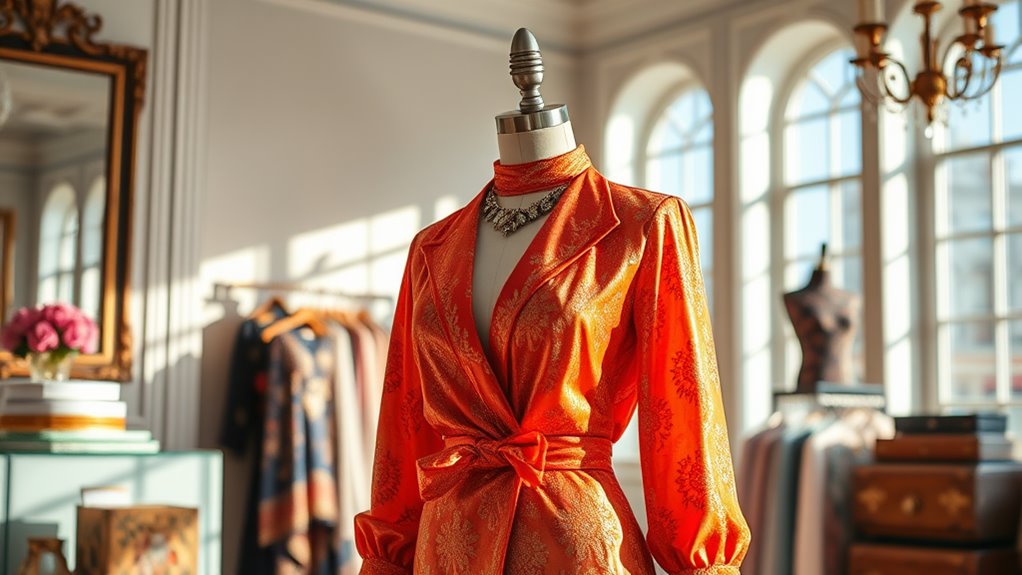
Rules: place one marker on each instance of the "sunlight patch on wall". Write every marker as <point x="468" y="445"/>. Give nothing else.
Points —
<point x="244" y="265"/>
<point x="393" y="230"/>
<point x="444" y="207"/>
<point x="315" y="253"/>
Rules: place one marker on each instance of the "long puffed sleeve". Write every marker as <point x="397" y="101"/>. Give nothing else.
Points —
<point x="385" y="535"/>
<point x="695" y="523"/>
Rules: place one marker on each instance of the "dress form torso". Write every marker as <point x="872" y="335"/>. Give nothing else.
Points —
<point x="825" y="321"/>
<point x="496" y="256"/>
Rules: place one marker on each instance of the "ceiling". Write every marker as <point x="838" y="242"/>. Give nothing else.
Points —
<point x="51" y="102"/>
<point x="567" y="25"/>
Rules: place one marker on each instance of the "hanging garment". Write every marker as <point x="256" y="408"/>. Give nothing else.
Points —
<point x="781" y="499"/>
<point x="352" y="469"/>
<point x="757" y="483"/>
<point x="824" y="528"/>
<point x="501" y="463"/>
<point x="298" y="510"/>
<point x="369" y="380"/>
<point x="243" y="423"/>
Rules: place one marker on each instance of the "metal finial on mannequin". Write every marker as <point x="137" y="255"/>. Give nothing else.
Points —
<point x="527" y="69"/>
<point x="527" y="74"/>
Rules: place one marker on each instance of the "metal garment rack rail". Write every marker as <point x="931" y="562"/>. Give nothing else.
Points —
<point x="835" y="396"/>
<point x="223" y="289"/>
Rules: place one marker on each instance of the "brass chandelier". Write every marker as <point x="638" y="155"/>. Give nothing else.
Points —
<point x="968" y="68"/>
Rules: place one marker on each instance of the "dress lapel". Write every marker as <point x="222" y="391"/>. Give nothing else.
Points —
<point x="449" y="254"/>
<point x="584" y="215"/>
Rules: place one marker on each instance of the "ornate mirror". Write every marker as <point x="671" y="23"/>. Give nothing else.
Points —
<point x="69" y="110"/>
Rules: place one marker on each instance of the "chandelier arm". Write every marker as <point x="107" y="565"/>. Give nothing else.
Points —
<point x="887" y="86"/>
<point x="872" y="94"/>
<point x="988" y="85"/>
<point x="953" y="90"/>
<point x="963" y="62"/>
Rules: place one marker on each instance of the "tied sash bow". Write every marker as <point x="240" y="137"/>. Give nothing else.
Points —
<point x="530" y="454"/>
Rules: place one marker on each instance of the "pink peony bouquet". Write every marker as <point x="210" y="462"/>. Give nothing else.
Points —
<point x="59" y="328"/>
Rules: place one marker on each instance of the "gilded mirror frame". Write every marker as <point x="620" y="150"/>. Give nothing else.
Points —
<point x="61" y="35"/>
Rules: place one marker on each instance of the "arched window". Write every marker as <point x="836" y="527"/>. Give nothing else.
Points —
<point x="679" y="161"/>
<point x="659" y="136"/>
<point x="821" y="196"/>
<point x="978" y="239"/>
<point x="58" y="246"/>
<point x="92" y="247"/>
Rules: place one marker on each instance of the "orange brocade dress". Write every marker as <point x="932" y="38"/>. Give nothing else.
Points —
<point x="500" y="463"/>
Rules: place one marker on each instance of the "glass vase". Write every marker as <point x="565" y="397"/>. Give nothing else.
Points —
<point x="51" y="365"/>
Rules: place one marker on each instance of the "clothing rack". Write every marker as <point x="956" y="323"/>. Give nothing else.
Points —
<point x="835" y="396"/>
<point x="224" y="289"/>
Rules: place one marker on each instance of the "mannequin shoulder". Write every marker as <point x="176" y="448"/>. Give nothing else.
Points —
<point x="632" y="201"/>
<point x="642" y="206"/>
<point x="438" y="229"/>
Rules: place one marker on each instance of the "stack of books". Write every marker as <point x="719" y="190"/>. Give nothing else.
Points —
<point x="951" y="438"/>
<point x="944" y="496"/>
<point x="67" y="417"/>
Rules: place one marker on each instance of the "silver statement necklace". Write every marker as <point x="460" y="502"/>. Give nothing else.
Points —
<point x="509" y="220"/>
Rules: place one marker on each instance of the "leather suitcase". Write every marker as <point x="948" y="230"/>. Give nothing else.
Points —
<point x="958" y="503"/>
<point x="872" y="559"/>
<point x="948" y="447"/>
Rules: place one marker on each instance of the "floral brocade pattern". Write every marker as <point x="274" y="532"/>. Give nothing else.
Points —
<point x="506" y="454"/>
<point x="456" y="541"/>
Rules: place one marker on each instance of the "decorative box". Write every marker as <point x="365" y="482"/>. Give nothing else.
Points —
<point x="139" y="540"/>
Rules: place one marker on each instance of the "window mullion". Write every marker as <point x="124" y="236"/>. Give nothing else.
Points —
<point x="1002" y="336"/>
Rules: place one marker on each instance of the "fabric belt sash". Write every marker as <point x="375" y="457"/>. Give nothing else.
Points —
<point x="530" y="454"/>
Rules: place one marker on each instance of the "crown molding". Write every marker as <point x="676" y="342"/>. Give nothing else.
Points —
<point x="570" y="26"/>
<point x="555" y="22"/>
<point x="603" y="23"/>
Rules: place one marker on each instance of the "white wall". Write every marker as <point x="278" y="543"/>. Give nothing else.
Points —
<point x="334" y="134"/>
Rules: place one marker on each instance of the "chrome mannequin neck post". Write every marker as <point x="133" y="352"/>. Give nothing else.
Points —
<point x="536" y="130"/>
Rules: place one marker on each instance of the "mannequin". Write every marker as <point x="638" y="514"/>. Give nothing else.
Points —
<point x="825" y="321"/>
<point x="499" y="459"/>
<point x="532" y="133"/>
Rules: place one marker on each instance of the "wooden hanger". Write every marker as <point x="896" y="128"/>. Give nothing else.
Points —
<point x="264" y="313"/>
<point x="304" y="317"/>
<point x="341" y="316"/>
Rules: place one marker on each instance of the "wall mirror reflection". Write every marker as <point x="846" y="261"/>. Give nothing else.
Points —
<point x="53" y="184"/>
<point x="69" y="107"/>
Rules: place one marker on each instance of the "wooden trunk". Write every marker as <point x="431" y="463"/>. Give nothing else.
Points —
<point x="872" y="559"/>
<point x="960" y="503"/>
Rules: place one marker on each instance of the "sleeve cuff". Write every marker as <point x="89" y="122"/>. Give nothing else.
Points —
<point x="373" y="566"/>
<point x="715" y="570"/>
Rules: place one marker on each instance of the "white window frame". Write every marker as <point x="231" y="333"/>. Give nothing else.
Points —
<point x="938" y="340"/>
